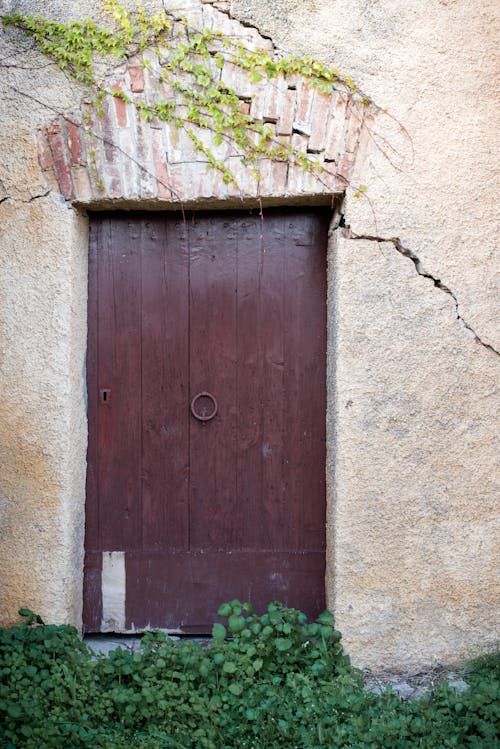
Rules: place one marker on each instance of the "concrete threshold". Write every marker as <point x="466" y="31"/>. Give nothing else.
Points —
<point x="104" y="644"/>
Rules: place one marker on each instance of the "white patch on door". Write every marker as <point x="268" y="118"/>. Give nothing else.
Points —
<point x="113" y="591"/>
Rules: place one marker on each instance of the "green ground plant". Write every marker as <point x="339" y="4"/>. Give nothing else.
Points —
<point x="274" y="681"/>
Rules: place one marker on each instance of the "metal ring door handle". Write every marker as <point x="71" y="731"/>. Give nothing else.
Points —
<point x="201" y="414"/>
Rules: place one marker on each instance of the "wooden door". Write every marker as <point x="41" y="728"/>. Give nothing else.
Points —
<point x="207" y="398"/>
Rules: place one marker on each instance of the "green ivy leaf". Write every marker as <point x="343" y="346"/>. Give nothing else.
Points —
<point x="236" y="623"/>
<point x="283" y="643"/>
<point x="14" y="711"/>
<point x="254" y="76"/>
<point x="218" y="632"/>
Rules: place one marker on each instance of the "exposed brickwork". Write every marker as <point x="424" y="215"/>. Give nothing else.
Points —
<point x="44" y="154"/>
<point x="120" y="106"/>
<point x="74" y="142"/>
<point x="287" y="114"/>
<point x="120" y="156"/>
<point x="319" y="123"/>
<point x="61" y="157"/>
<point x="136" y="79"/>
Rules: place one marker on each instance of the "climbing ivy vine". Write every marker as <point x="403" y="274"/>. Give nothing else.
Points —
<point x="191" y="64"/>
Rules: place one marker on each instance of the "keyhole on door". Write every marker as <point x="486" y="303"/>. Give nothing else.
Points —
<point x="105" y="395"/>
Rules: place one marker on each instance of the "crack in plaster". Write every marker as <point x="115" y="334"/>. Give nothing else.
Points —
<point x="37" y="197"/>
<point x="29" y="200"/>
<point x="406" y="252"/>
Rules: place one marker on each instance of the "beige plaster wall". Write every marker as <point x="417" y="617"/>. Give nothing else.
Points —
<point x="412" y="406"/>
<point x="43" y="271"/>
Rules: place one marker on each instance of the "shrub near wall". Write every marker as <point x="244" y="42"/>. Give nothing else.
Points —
<point x="269" y="682"/>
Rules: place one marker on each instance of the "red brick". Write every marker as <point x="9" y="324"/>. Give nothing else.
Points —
<point x="346" y="165"/>
<point x="294" y="178"/>
<point x="332" y="180"/>
<point x="272" y="177"/>
<point x="231" y="75"/>
<point x="121" y="112"/>
<point x="305" y="101"/>
<point x="299" y="142"/>
<point x="258" y="102"/>
<point x="314" y="183"/>
<point x="144" y="154"/>
<point x="319" y="122"/>
<point x="177" y="180"/>
<point x="143" y="141"/>
<point x="136" y="79"/>
<point x="44" y="154"/>
<point x="246" y="180"/>
<point x="296" y="173"/>
<point x="160" y="162"/>
<point x="285" y="122"/>
<point x="167" y="90"/>
<point x="280" y="172"/>
<point x="275" y="92"/>
<point x="108" y="132"/>
<point x="130" y="169"/>
<point x="336" y="126"/>
<point x="82" y="183"/>
<point x="209" y="184"/>
<point x="265" y="186"/>
<point x="120" y="106"/>
<point x="113" y="182"/>
<point x="293" y="80"/>
<point x="74" y="142"/>
<point x="61" y="161"/>
<point x="51" y="178"/>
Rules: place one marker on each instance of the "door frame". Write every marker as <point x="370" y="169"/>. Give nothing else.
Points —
<point x="334" y="203"/>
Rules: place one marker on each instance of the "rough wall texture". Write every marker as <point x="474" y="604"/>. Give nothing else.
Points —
<point x="412" y="368"/>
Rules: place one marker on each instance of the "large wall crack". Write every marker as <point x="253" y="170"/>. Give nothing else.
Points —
<point x="406" y="252"/>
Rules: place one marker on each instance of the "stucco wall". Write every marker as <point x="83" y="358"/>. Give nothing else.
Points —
<point x="412" y="367"/>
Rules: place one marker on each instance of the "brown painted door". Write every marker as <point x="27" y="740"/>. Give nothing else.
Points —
<point x="206" y="382"/>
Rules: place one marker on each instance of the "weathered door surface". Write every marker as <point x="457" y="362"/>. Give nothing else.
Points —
<point x="206" y="383"/>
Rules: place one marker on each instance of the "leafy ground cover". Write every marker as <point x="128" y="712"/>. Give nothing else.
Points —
<point x="266" y="682"/>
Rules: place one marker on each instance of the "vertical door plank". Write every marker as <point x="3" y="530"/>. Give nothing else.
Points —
<point x="305" y="387"/>
<point x="214" y="506"/>
<point x="92" y="534"/>
<point x="260" y="385"/>
<point x="165" y="378"/>
<point x="249" y="392"/>
<point x="119" y="357"/>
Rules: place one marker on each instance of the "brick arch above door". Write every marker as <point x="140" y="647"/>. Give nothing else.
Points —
<point x="121" y="157"/>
